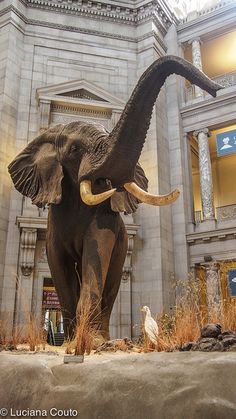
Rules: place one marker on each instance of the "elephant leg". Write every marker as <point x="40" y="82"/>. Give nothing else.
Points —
<point x="67" y="284"/>
<point x="113" y="279"/>
<point x="97" y="251"/>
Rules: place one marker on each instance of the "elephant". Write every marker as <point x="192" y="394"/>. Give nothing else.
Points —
<point x="87" y="176"/>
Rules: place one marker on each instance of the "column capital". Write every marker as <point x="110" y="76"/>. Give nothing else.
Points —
<point x="197" y="39"/>
<point x="212" y="266"/>
<point x="205" y="131"/>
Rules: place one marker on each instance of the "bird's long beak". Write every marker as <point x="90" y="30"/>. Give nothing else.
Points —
<point x="142" y="309"/>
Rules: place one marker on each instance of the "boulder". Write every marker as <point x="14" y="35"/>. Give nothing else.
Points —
<point x="187" y="346"/>
<point x="206" y="345"/>
<point x="179" y="385"/>
<point x="228" y="340"/>
<point x="211" y="330"/>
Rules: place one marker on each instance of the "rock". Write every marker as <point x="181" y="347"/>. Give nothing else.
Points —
<point x="211" y="330"/>
<point x="207" y="344"/>
<point x="228" y="341"/>
<point x="195" y="347"/>
<point x="179" y="385"/>
<point x="232" y="348"/>
<point x="187" y="346"/>
<point x="228" y="332"/>
<point x="218" y="347"/>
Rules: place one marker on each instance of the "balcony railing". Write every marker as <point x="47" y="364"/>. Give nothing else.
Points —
<point x="198" y="216"/>
<point x="226" y="80"/>
<point x="225" y="213"/>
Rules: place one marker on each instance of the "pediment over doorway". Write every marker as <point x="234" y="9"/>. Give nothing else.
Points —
<point x="79" y="90"/>
<point x="77" y="100"/>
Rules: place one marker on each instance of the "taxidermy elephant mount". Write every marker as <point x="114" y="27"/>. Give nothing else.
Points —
<point x="87" y="176"/>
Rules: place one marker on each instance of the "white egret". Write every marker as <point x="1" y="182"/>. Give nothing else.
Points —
<point x="150" y="325"/>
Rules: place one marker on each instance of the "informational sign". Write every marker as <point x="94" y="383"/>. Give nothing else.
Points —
<point x="50" y="300"/>
<point x="232" y="282"/>
<point x="226" y="143"/>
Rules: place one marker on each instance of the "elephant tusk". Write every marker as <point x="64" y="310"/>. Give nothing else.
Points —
<point x="88" y="197"/>
<point x="150" y="199"/>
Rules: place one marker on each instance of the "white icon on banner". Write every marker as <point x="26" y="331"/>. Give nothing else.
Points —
<point x="226" y="145"/>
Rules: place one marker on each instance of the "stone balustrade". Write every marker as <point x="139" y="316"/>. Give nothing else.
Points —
<point x="226" y="80"/>
<point x="224" y="213"/>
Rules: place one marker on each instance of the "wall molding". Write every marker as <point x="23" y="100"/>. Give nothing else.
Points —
<point x="77" y="29"/>
<point x="104" y="10"/>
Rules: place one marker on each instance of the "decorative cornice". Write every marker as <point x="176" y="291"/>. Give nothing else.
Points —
<point x="208" y="25"/>
<point x="201" y="113"/>
<point x="208" y="236"/>
<point x="213" y="10"/>
<point x="79" y="110"/>
<point x="68" y="28"/>
<point x="107" y="11"/>
<point x="156" y="37"/>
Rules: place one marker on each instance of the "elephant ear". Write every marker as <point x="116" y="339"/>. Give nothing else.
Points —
<point x="36" y="172"/>
<point x="124" y="201"/>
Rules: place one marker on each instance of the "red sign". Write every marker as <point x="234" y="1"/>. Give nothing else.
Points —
<point x="50" y="300"/>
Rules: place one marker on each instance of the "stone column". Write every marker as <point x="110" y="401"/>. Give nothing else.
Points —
<point x="213" y="292"/>
<point x="197" y="61"/>
<point x="25" y="276"/>
<point x="205" y="173"/>
<point x="44" y="108"/>
<point x="121" y="318"/>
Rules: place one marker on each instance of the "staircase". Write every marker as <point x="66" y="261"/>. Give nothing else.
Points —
<point x="58" y="339"/>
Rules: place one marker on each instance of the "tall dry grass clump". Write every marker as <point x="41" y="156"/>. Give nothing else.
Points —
<point x="9" y="337"/>
<point x="3" y="333"/>
<point x="34" y="335"/>
<point x="228" y="316"/>
<point x="31" y="334"/>
<point x="189" y="315"/>
<point x="86" y="332"/>
<point x="186" y="319"/>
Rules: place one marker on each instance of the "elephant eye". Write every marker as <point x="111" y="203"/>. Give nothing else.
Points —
<point x="73" y="148"/>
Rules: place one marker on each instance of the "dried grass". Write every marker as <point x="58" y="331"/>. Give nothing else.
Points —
<point x="34" y="333"/>
<point x="228" y="319"/>
<point x="31" y="334"/>
<point x="86" y="332"/>
<point x="188" y="317"/>
<point x="6" y="337"/>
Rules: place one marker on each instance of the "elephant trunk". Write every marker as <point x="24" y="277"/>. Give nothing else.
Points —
<point x="127" y="138"/>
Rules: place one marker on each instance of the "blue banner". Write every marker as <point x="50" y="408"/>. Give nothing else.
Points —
<point x="226" y="143"/>
<point x="232" y="282"/>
